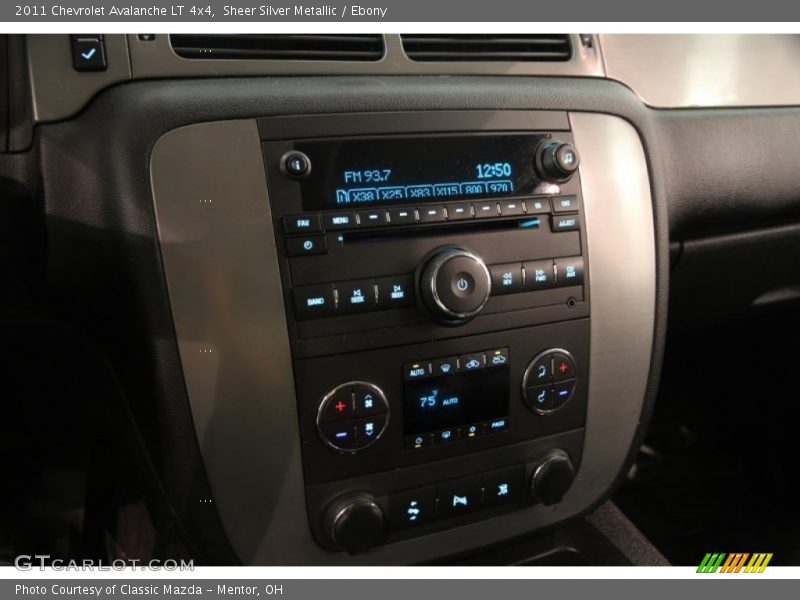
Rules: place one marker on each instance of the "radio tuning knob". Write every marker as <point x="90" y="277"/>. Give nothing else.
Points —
<point x="455" y="285"/>
<point x="556" y="161"/>
<point x="353" y="523"/>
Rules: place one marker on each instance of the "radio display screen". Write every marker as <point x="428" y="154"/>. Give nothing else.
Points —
<point x="349" y="173"/>
<point x="465" y="398"/>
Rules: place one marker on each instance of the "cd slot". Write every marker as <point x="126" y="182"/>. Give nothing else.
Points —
<point x="436" y="229"/>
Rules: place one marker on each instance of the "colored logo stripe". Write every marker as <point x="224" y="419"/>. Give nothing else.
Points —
<point x="733" y="563"/>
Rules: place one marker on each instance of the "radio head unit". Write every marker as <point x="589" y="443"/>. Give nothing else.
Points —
<point x="437" y="297"/>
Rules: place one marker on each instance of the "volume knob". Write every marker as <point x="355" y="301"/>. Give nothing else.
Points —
<point x="455" y="285"/>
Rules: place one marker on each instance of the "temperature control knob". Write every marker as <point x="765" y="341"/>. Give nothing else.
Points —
<point x="556" y="161"/>
<point x="552" y="477"/>
<point x="455" y="285"/>
<point x="353" y="523"/>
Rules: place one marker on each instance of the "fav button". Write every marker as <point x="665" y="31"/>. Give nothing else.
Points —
<point x="305" y="223"/>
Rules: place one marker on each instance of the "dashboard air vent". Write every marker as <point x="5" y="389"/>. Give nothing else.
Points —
<point x="487" y="48"/>
<point x="279" y="47"/>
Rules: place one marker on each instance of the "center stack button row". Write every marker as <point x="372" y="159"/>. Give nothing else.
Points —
<point x="353" y="297"/>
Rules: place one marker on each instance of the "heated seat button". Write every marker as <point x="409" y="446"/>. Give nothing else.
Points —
<point x="306" y="246"/>
<point x="539" y="397"/>
<point x="539" y="275"/>
<point x="540" y="371"/>
<point x="313" y="301"/>
<point x="503" y="485"/>
<point x="563" y="367"/>
<point x="459" y="496"/>
<point x="355" y="296"/>
<point x="337" y="407"/>
<point x="506" y="278"/>
<point x="396" y="291"/>
<point x="412" y="507"/>
<point x="569" y="271"/>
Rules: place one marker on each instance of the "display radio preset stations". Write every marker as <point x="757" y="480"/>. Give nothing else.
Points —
<point x="436" y="285"/>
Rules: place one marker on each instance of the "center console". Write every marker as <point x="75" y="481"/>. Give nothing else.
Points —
<point x="438" y="303"/>
<point x="407" y="334"/>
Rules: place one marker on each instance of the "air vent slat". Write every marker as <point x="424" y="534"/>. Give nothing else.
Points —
<point x="279" y="47"/>
<point x="484" y="48"/>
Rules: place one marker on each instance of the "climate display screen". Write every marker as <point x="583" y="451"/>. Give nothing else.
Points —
<point x="368" y="171"/>
<point x="449" y="401"/>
